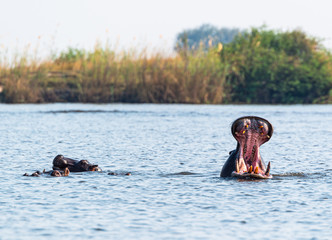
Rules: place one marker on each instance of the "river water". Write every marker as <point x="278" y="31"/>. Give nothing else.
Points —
<point x="175" y="154"/>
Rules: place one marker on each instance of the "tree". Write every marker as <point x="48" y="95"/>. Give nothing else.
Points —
<point x="205" y="36"/>
<point x="276" y="67"/>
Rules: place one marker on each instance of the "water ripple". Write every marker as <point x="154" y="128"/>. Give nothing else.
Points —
<point x="174" y="154"/>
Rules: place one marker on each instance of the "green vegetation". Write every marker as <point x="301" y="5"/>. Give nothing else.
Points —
<point x="258" y="66"/>
<point x="270" y="67"/>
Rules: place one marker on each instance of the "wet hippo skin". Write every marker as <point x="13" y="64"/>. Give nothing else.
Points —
<point x="245" y="161"/>
<point x="60" y="163"/>
<point x="62" y="166"/>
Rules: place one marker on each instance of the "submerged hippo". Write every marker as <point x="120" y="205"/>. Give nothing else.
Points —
<point x="53" y="173"/>
<point x="245" y="161"/>
<point x="62" y="166"/>
<point x="60" y="163"/>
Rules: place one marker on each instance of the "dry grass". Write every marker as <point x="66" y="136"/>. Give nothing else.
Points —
<point x="103" y="76"/>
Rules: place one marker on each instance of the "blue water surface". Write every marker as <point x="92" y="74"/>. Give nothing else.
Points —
<point x="175" y="154"/>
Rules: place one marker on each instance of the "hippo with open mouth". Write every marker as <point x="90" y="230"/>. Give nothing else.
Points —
<point x="245" y="161"/>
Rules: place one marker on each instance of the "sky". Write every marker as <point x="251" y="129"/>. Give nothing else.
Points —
<point x="47" y="26"/>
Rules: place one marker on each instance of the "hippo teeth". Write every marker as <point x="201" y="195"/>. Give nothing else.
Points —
<point x="256" y="170"/>
<point x="267" y="172"/>
<point x="237" y="169"/>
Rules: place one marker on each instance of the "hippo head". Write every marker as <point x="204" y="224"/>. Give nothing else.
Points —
<point x="61" y="162"/>
<point x="59" y="173"/>
<point x="250" y="133"/>
<point x="85" y="165"/>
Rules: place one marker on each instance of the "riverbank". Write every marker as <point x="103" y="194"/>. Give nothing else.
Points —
<point x="260" y="66"/>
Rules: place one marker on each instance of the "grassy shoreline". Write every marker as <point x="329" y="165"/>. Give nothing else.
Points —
<point x="260" y="67"/>
<point x="102" y="76"/>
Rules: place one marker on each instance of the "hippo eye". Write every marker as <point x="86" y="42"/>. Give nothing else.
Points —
<point x="56" y="173"/>
<point x="84" y="162"/>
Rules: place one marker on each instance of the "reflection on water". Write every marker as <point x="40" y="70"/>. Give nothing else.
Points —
<point x="174" y="154"/>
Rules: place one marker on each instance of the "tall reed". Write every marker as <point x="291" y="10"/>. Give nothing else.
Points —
<point x="104" y="76"/>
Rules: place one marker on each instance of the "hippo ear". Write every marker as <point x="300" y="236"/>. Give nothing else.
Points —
<point x="66" y="173"/>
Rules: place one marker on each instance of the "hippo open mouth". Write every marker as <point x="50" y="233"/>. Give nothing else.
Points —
<point x="250" y="133"/>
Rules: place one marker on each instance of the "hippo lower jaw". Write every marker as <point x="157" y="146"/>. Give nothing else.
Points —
<point x="250" y="165"/>
<point x="245" y="162"/>
<point x="257" y="173"/>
